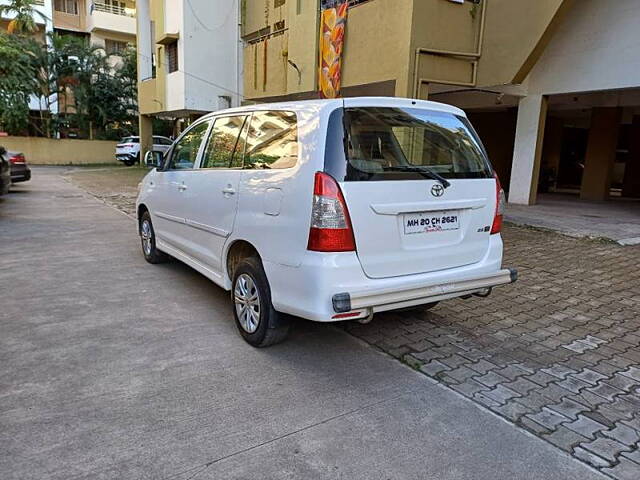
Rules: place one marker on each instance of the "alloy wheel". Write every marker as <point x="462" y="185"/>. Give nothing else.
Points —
<point x="145" y="233"/>
<point x="247" y="303"/>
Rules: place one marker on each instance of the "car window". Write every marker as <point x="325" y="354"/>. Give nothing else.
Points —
<point x="161" y="141"/>
<point x="185" y="151"/>
<point x="130" y="140"/>
<point x="226" y="143"/>
<point x="272" y="140"/>
<point x="400" y="144"/>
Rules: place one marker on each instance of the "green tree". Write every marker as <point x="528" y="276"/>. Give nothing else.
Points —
<point x="96" y="93"/>
<point x="23" y="13"/>
<point x="17" y="74"/>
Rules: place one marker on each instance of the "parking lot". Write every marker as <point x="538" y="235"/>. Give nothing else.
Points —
<point x="113" y="368"/>
<point x="557" y="354"/>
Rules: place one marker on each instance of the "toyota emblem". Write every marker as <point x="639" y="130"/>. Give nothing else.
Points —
<point x="437" y="190"/>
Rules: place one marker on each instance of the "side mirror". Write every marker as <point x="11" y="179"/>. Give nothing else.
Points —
<point x="153" y="159"/>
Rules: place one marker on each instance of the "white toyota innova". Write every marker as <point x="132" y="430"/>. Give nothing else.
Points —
<point x="328" y="210"/>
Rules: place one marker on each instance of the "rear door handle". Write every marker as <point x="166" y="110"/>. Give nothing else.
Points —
<point x="228" y="190"/>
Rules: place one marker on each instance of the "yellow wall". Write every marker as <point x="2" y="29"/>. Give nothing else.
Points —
<point x="515" y="33"/>
<point x="382" y="37"/>
<point x="377" y="43"/>
<point x="444" y="27"/>
<point x="376" y="47"/>
<point x="48" y="151"/>
<point x="152" y="95"/>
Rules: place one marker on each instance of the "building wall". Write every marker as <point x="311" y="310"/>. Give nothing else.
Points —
<point x="376" y="46"/>
<point x="49" y="151"/>
<point x="208" y="46"/>
<point x="513" y="30"/>
<point x="598" y="49"/>
<point x="210" y="54"/>
<point x="74" y="23"/>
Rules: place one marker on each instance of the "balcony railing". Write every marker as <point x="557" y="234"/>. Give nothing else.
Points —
<point x="38" y="2"/>
<point x="113" y="8"/>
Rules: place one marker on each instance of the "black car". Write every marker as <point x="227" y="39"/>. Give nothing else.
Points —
<point x="5" y="172"/>
<point x="20" y="171"/>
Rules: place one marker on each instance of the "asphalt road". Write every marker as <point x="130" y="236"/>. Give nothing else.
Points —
<point x="113" y="368"/>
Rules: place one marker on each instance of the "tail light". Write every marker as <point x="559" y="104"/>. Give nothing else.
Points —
<point x="17" y="160"/>
<point x="331" y="229"/>
<point x="125" y="145"/>
<point x="501" y="202"/>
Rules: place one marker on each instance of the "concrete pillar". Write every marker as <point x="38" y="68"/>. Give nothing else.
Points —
<point x="146" y="135"/>
<point x="601" y="153"/>
<point x="631" y="184"/>
<point x="527" y="151"/>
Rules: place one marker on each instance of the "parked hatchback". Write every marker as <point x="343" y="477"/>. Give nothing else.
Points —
<point x="20" y="171"/>
<point x="128" y="150"/>
<point x="328" y="210"/>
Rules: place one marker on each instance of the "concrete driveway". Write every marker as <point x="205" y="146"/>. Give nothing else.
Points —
<point x="113" y="368"/>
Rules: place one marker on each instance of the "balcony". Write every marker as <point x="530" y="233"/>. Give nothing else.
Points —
<point x="112" y="17"/>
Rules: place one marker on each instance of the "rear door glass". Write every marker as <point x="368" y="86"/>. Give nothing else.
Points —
<point x="400" y="143"/>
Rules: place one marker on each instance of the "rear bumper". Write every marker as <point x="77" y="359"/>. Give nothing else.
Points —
<point x="21" y="174"/>
<point x="309" y="289"/>
<point x="124" y="157"/>
<point x="389" y="299"/>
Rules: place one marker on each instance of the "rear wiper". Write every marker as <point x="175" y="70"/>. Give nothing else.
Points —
<point x="424" y="171"/>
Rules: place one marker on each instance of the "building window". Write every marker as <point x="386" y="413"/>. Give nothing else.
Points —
<point x="278" y="26"/>
<point x="66" y="6"/>
<point x="115" y="47"/>
<point x="172" y="57"/>
<point x="278" y="3"/>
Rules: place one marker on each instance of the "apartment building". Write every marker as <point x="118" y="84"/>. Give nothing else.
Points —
<point x="110" y="24"/>
<point x="188" y="53"/>
<point x="552" y="86"/>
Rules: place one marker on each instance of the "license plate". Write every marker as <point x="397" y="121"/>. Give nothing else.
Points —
<point x="426" y="222"/>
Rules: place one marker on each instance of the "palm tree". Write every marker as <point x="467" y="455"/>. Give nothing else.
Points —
<point x="23" y="13"/>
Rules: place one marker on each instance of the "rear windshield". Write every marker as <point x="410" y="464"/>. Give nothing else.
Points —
<point x="378" y="143"/>
<point x="130" y="140"/>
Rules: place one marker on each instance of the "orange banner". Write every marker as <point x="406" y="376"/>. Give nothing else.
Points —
<point x="333" y="21"/>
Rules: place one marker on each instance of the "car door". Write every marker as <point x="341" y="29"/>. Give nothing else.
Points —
<point x="172" y="189"/>
<point x="213" y="191"/>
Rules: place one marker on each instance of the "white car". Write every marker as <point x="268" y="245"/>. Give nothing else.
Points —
<point x="328" y="210"/>
<point x="128" y="150"/>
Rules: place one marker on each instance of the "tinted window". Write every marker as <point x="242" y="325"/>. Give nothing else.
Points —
<point x="184" y="153"/>
<point x="388" y="143"/>
<point x="226" y="143"/>
<point x="272" y="141"/>
<point x="130" y="140"/>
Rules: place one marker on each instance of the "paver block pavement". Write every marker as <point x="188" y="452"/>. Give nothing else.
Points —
<point x="564" y="338"/>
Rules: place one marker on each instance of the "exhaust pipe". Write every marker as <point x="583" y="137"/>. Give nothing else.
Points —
<point x="484" y="293"/>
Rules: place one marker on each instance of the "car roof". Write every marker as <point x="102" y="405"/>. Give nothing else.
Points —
<point x="331" y="104"/>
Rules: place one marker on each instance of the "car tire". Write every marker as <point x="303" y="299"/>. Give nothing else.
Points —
<point x="129" y="163"/>
<point x="257" y="321"/>
<point x="148" y="241"/>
